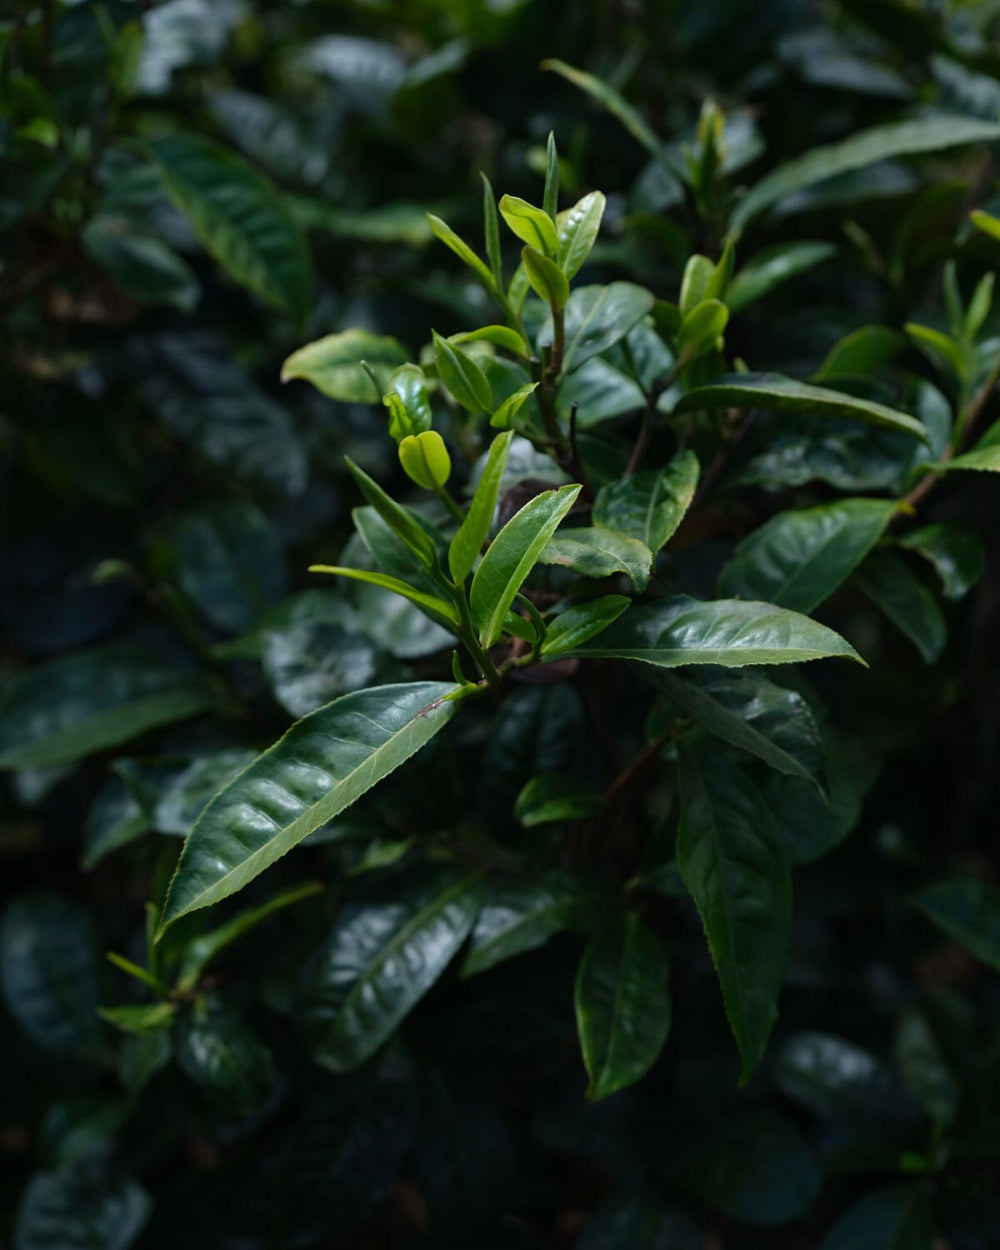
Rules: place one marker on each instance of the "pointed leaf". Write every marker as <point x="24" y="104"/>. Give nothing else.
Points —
<point x="547" y="280"/>
<point x="468" y="541"/>
<point x="955" y="552"/>
<point x="906" y="601"/>
<point x="531" y="225"/>
<point x="772" y="391"/>
<point x="596" y="552"/>
<point x="576" y="625"/>
<point x="735" y="865"/>
<point x="379" y="960"/>
<point x="799" y="558"/>
<point x="968" y="910"/>
<point x="511" y="557"/>
<point x="578" y="229"/>
<point x="240" y="216"/>
<point x="322" y="765"/>
<point x="461" y="249"/>
<point x="649" y="505"/>
<point x="729" y="632"/>
<point x="438" y="610"/>
<point x="773" y="266"/>
<point x="622" y="1005"/>
<point x="597" y="317"/>
<point x="400" y="520"/>
<point x="462" y="375"/>
<point x="333" y="365"/>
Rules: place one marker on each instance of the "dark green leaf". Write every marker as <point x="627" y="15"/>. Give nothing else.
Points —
<point x="955" y="552"/>
<point x="597" y="317"/>
<point x="649" y="505"/>
<point x="622" y="1005"/>
<point x="240" y="216"/>
<point x="555" y="796"/>
<point x="968" y="910"/>
<point x="141" y="264"/>
<point x="799" y="558"/>
<point x="736" y="868"/>
<point x="219" y="1051"/>
<point x="906" y="601"/>
<point x="597" y="553"/>
<point x="729" y="632"/>
<point x="572" y="628"/>
<point x="641" y="1222"/>
<point x="320" y="767"/>
<point x="114" y="820"/>
<point x="83" y="703"/>
<point x="78" y="1209"/>
<point x="379" y="960"/>
<point x="771" y="390"/>
<point x="773" y="266"/>
<point x="900" y="1218"/>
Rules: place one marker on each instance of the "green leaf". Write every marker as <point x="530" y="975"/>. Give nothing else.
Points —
<point x="955" y="552"/>
<point x="773" y="266"/>
<point x="468" y="541"/>
<point x="49" y="972"/>
<point x="503" y="417"/>
<point x="597" y="317"/>
<point x="174" y="805"/>
<point x="748" y="711"/>
<point x="799" y="558"/>
<point x="597" y="553"/>
<point x="861" y="354"/>
<point x="550" y="197"/>
<point x="141" y="264"/>
<point x="142" y="1019"/>
<point x="900" y="1218"/>
<point x="200" y="951"/>
<point x="240" y="216"/>
<point x="462" y="375"/>
<point x="867" y="147"/>
<point x="512" y="555"/>
<point x="698" y="274"/>
<point x="984" y="458"/>
<point x="942" y="345"/>
<point x="379" y="960"/>
<point x="572" y="628"/>
<point x="462" y="250"/>
<point x="772" y="391"/>
<point x="531" y="225"/>
<point x="79" y="704"/>
<point x="501" y="336"/>
<point x="218" y="1050"/>
<point x="649" y="505"/>
<point x="521" y="915"/>
<point x="616" y="105"/>
<point x="545" y="277"/>
<point x="407" y="400"/>
<point x="115" y="819"/>
<point x="735" y="865"/>
<point x="333" y="364"/>
<point x="322" y="765"/>
<point x="555" y="796"/>
<point x="77" y="1208"/>
<point x="400" y="520"/>
<point x="968" y="911"/>
<point x="729" y="632"/>
<point x="701" y="327"/>
<point x="622" y="1005"/>
<point x="906" y="601"/>
<point x="491" y="229"/>
<point x="438" y="610"/>
<point x="986" y="222"/>
<point x="578" y="229"/>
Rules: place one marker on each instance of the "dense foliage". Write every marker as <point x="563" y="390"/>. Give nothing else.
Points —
<point x="551" y="606"/>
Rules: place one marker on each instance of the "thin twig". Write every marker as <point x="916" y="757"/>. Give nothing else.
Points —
<point x="630" y="773"/>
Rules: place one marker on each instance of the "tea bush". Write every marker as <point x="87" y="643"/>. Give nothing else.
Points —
<point x="528" y="780"/>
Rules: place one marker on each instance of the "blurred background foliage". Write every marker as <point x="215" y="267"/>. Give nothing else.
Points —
<point x="162" y="495"/>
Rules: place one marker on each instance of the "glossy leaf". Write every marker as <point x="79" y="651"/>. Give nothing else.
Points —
<point x="472" y="533"/>
<point x="115" y="819"/>
<point x="748" y="711"/>
<point x="906" y="138"/>
<point x="597" y="317"/>
<point x="49" y="972"/>
<point x="578" y="229"/>
<point x="220" y="1052"/>
<point x="142" y="1020"/>
<point x="545" y="277"/>
<point x="575" y="626"/>
<point x="79" y="1209"/>
<point x="240" y="216"/>
<point x="501" y="336"/>
<point x="968" y="911"/>
<point x="322" y="765"/>
<point x="82" y="703"/>
<point x="403" y="523"/>
<point x="772" y="391"/>
<point x="461" y="249"/>
<point x="379" y="960"/>
<point x="729" y="632"/>
<point x="461" y="374"/>
<point x="407" y="400"/>
<point x="521" y="915"/>
<point x="799" y="558"/>
<point x="622" y="1005"/>
<point x="649" y="505"/>
<point x="906" y="601"/>
<point x="531" y="225"/>
<point x="512" y="555"/>
<point x="735" y="865"/>
<point x="597" y="553"/>
<point x="772" y="267"/>
<point x="438" y="610"/>
<point x="555" y="796"/>
<point x="955" y="552"/>
<point x="333" y="365"/>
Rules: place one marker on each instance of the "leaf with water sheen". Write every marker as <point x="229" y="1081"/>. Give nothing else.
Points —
<point x="322" y="765"/>
<point x="622" y="1005"/>
<point x="800" y="557"/>
<point x="578" y="229"/>
<point x="511" y="557"/>
<point x="729" y="632"/>
<point x="773" y="391"/>
<point x="735" y="865"/>
<point x="379" y="960"/>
